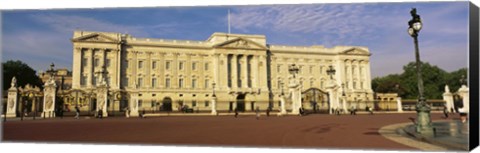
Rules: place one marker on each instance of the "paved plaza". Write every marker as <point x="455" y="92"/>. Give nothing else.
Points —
<point x="312" y="131"/>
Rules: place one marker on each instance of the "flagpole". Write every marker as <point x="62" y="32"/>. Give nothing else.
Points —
<point x="228" y="21"/>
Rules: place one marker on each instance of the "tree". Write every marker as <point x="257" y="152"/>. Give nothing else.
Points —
<point x="388" y="84"/>
<point x="434" y="81"/>
<point x="453" y="79"/>
<point x="23" y="73"/>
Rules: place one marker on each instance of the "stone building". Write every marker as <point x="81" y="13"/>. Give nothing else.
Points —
<point x="247" y="72"/>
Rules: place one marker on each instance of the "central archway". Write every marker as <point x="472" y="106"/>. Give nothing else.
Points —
<point x="315" y="100"/>
<point x="166" y="104"/>
<point x="241" y="102"/>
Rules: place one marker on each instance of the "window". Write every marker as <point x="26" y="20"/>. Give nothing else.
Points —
<point x="126" y="64"/>
<point x="153" y="103"/>
<point x="310" y="69"/>
<point x="96" y="62"/>
<point x="354" y="85"/>
<point x="321" y="69"/>
<point x="140" y="103"/>
<point x="140" y="64"/>
<point x="94" y="81"/>
<point x="194" y="103"/>
<point x="361" y="85"/>
<point x="180" y="83"/>
<point x="279" y="84"/>
<point x="279" y="68"/>
<point x="180" y="66"/>
<point x="154" y="64"/>
<point x="125" y="82"/>
<point x="140" y="82"/>
<point x="167" y="83"/>
<point x="154" y="82"/>
<point x="194" y="66"/>
<point x="206" y="66"/>
<point x="311" y="83"/>
<point x="107" y="62"/>
<point x="206" y="83"/>
<point x="194" y="83"/>
<point x="107" y="80"/>
<point x="167" y="65"/>
<point x="85" y="62"/>
<point x="83" y="81"/>
<point x="206" y="103"/>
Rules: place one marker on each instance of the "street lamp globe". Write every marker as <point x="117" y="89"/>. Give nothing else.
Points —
<point x="417" y="26"/>
<point x="411" y="32"/>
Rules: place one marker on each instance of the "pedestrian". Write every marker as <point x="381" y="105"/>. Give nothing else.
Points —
<point x="236" y="112"/>
<point x="77" y="112"/>
<point x="268" y="112"/>
<point x="257" y="112"/>
<point x="127" y="112"/>
<point x="370" y="109"/>
<point x="445" y="111"/>
<point x="142" y="114"/>
<point x="100" y="114"/>
<point x="300" y="111"/>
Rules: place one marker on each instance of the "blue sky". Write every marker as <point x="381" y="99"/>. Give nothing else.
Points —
<point x="39" y="37"/>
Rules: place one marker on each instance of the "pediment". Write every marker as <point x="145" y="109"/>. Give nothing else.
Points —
<point x="240" y="43"/>
<point x="95" y="37"/>
<point x="355" y="51"/>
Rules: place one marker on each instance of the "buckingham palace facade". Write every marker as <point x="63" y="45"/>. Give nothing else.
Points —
<point x="241" y="69"/>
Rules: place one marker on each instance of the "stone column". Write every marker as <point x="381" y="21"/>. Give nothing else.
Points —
<point x="344" y="104"/>
<point x="234" y="71"/>
<point x="49" y="99"/>
<point x="148" y="67"/>
<point x="174" y="78"/>
<point x="263" y="70"/>
<point x="332" y="92"/>
<point x="91" y="67"/>
<point x="77" y="67"/>
<point x="464" y="93"/>
<point x="102" y="97"/>
<point x="118" y="67"/>
<point x="161" y="67"/>
<point x="255" y="72"/>
<point x="12" y="102"/>
<point x="245" y="71"/>
<point x="448" y="97"/>
<point x="216" y="69"/>
<point x="133" y="105"/>
<point x="283" y="111"/>
<point x="368" y="80"/>
<point x="214" y="106"/>
<point x="295" y="94"/>
<point x="350" y="75"/>
<point x="399" y="104"/>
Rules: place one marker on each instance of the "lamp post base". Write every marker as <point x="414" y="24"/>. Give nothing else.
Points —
<point x="424" y="122"/>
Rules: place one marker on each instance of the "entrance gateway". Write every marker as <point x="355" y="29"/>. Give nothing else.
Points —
<point x="241" y="102"/>
<point x="166" y="104"/>
<point x="315" y="100"/>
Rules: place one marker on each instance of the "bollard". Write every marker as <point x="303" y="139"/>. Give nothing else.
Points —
<point x="5" y="117"/>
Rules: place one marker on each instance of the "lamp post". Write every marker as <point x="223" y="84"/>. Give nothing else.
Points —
<point x="423" y="125"/>
<point x="331" y="71"/>
<point x="293" y="69"/>
<point x="281" y="86"/>
<point x="213" y="89"/>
